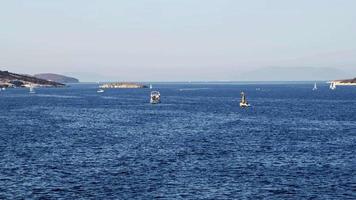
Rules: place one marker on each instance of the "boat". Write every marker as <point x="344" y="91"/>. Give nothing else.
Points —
<point x="32" y="89"/>
<point x="151" y="86"/>
<point x="243" y="102"/>
<point x="155" y="97"/>
<point x="100" y="91"/>
<point x="315" y="87"/>
<point x="332" y="86"/>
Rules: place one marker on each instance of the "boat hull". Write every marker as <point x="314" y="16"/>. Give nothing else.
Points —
<point x="244" y="105"/>
<point x="155" y="101"/>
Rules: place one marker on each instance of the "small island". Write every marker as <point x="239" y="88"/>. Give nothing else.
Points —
<point x="121" y="85"/>
<point x="345" y="82"/>
<point x="13" y="80"/>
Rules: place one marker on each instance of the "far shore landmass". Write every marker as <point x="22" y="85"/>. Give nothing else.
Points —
<point x="13" y="80"/>
<point x="345" y="82"/>
<point x="122" y="85"/>
<point x="56" y="78"/>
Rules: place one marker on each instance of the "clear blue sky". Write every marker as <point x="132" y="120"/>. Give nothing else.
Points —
<point x="175" y="39"/>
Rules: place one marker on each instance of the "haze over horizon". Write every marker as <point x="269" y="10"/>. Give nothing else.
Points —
<point x="159" y="40"/>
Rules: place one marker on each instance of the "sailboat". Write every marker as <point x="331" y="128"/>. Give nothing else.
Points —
<point x="151" y="86"/>
<point x="315" y="87"/>
<point x="32" y="89"/>
<point x="243" y="102"/>
<point x="332" y="86"/>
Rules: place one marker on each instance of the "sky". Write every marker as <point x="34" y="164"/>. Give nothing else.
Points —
<point x="175" y="40"/>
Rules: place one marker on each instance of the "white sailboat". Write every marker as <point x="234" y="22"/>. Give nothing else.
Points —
<point x="315" y="87"/>
<point x="332" y="86"/>
<point x="151" y="86"/>
<point x="243" y="102"/>
<point x="32" y="89"/>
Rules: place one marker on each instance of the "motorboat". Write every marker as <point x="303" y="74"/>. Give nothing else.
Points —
<point x="155" y="97"/>
<point x="243" y="102"/>
<point x="100" y="91"/>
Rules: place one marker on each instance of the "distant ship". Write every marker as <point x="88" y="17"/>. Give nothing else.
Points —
<point x="332" y="86"/>
<point x="315" y="87"/>
<point x="155" y="97"/>
<point x="100" y="91"/>
<point x="243" y="102"/>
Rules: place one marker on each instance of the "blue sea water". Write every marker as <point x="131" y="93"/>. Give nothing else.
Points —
<point x="75" y="143"/>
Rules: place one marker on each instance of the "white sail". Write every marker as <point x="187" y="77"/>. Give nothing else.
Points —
<point x="332" y="85"/>
<point x="243" y="102"/>
<point x="32" y="89"/>
<point x="315" y="87"/>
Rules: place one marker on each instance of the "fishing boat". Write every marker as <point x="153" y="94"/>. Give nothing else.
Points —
<point x="332" y="86"/>
<point x="155" y="97"/>
<point x="243" y="102"/>
<point x="315" y="87"/>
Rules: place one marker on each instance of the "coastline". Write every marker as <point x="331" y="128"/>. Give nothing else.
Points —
<point x="122" y="86"/>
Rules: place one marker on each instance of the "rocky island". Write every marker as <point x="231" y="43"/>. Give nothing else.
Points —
<point x="12" y="80"/>
<point x="123" y="85"/>
<point x="57" y="78"/>
<point x="345" y="82"/>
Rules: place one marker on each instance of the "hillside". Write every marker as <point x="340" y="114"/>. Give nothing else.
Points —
<point x="348" y="81"/>
<point x="57" y="78"/>
<point x="345" y="82"/>
<point x="8" y="79"/>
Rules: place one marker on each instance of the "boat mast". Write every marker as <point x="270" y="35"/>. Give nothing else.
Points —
<point x="243" y="97"/>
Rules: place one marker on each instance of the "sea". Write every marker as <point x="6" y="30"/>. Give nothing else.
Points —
<point x="75" y="143"/>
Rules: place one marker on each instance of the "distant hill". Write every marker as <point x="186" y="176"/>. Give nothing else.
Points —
<point x="57" y="78"/>
<point x="345" y="82"/>
<point x="8" y="79"/>
<point x="348" y="81"/>
<point x="293" y="74"/>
